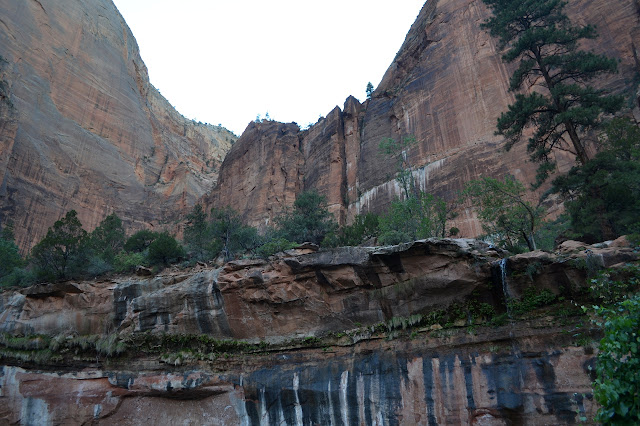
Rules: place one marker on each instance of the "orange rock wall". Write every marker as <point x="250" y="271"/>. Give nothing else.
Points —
<point x="446" y="86"/>
<point x="82" y="128"/>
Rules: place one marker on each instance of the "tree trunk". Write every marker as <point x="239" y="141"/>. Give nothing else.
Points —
<point x="581" y="152"/>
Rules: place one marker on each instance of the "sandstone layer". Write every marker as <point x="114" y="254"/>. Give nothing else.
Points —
<point x="294" y="295"/>
<point x="343" y="370"/>
<point x="534" y="378"/>
<point x="446" y="87"/>
<point x="301" y="293"/>
<point x="82" y="128"/>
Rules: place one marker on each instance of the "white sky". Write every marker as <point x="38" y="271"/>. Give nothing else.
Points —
<point x="225" y="62"/>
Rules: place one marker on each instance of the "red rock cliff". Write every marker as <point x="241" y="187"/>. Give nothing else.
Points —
<point x="82" y="128"/>
<point x="446" y="86"/>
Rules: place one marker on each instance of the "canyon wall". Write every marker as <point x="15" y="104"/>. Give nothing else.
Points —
<point x="82" y="128"/>
<point x="446" y="87"/>
<point x="530" y="379"/>
<point x="309" y="337"/>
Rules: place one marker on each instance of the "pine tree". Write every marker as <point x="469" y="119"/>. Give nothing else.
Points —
<point x="369" y="90"/>
<point x="197" y="235"/>
<point x="61" y="249"/>
<point x="558" y="104"/>
<point x="108" y="238"/>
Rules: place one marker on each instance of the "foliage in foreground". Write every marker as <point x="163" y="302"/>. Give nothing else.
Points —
<point x="617" y="386"/>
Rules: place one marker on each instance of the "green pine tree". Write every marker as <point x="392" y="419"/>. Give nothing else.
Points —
<point x="197" y="235"/>
<point x="557" y="103"/>
<point x="60" y="252"/>
<point x="309" y="221"/>
<point x="10" y="258"/>
<point x="603" y="196"/>
<point x="108" y="238"/>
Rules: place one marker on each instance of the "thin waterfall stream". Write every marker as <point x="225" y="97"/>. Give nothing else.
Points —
<point x="508" y="297"/>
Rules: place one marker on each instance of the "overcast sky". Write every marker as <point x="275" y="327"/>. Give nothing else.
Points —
<point x="225" y="62"/>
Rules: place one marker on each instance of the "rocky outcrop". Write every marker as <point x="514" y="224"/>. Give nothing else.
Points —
<point x="285" y="297"/>
<point x="307" y="337"/>
<point x="82" y="128"/>
<point x="446" y="86"/>
<point x="303" y="293"/>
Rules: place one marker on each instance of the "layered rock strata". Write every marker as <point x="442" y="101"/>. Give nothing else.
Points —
<point x="285" y="297"/>
<point x="536" y="377"/>
<point x="446" y="87"/>
<point x="82" y="128"/>
<point x="529" y="371"/>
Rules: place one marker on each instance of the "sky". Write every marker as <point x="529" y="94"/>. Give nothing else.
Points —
<point x="228" y="62"/>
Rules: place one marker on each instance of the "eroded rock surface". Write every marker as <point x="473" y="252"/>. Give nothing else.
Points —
<point x="522" y="371"/>
<point x="287" y="296"/>
<point x="446" y="87"/>
<point x="460" y="379"/>
<point x="82" y="128"/>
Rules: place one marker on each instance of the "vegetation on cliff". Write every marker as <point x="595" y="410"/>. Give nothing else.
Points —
<point x="558" y="105"/>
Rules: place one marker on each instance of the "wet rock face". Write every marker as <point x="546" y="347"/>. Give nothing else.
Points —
<point x="528" y="371"/>
<point x="384" y="383"/>
<point x="446" y="87"/>
<point x="82" y="128"/>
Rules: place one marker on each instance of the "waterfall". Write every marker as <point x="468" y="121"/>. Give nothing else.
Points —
<point x="505" y="285"/>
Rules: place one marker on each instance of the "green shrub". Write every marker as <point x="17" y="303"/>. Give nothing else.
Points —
<point x="274" y="246"/>
<point x="107" y="239"/>
<point x="417" y="217"/>
<point x="531" y="299"/>
<point x="127" y="262"/>
<point x="613" y="285"/>
<point x="616" y="388"/>
<point x="363" y="228"/>
<point x="164" y="250"/>
<point x="309" y="221"/>
<point x="19" y="277"/>
<point x="97" y="266"/>
<point x="140" y="241"/>
<point x="62" y="252"/>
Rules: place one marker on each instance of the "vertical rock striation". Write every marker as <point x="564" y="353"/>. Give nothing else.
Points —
<point x="82" y="128"/>
<point x="446" y="86"/>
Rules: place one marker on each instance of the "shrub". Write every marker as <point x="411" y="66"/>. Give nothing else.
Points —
<point x="61" y="253"/>
<point x="10" y="258"/>
<point x="309" y="220"/>
<point x="108" y="238"/>
<point x="127" y="262"/>
<point x="164" y="250"/>
<point x="274" y="246"/>
<point x="613" y="285"/>
<point x="618" y="365"/>
<point x="19" y="277"/>
<point x="531" y="299"/>
<point x="417" y="217"/>
<point x="197" y="235"/>
<point x="97" y="266"/>
<point x="363" y="228"/>
<point x="140" y="241"/>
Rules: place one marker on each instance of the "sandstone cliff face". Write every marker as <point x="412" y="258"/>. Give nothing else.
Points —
<point x="82" y="128"/>
<point x="446" y="86"/>
<point x="377" y="383"/>
<point x="291" y="296"/>
<point x="524" y="372"/>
